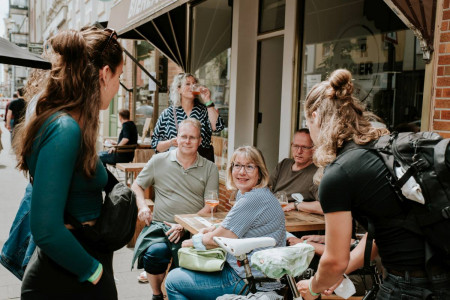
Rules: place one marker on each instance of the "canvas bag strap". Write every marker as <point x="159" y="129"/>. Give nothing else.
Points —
<point x="175" y="117"/>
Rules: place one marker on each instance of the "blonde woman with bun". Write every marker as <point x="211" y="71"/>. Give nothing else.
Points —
<point x="354" y="185"/>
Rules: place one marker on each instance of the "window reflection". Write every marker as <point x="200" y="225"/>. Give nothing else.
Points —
<point x="368" y="39"/>
<point x="211" y="54"/>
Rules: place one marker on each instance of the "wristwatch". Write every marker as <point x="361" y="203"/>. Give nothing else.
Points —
<point x="296" y="203"/>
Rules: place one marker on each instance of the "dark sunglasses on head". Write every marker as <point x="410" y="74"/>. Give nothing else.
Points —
<point x="113" y="34"/>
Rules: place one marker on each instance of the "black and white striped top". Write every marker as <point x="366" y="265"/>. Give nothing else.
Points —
<point x="166" y="129"/>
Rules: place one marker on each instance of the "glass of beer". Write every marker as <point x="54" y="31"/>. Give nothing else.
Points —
<point x="196" y="89"/>
<point x="212" y="200"/>
<point x="282" y="198"/>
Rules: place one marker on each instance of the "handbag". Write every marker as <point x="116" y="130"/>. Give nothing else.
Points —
<point x="117" y="221"/>
<point x="211" y="260"/>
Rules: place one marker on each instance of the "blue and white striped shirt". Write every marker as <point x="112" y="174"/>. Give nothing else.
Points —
<point x="166" y="129"/>
<point x="255" y="214"/>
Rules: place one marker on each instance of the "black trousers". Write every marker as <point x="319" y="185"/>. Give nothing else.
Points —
<point x="45" y="279"/>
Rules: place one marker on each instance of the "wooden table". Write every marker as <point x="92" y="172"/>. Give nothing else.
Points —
<point x="130" y="168"/>
<point x="295" y="221"/>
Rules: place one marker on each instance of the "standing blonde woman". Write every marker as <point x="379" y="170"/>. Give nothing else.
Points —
<point x="57" y="150"/>
<point x="186" y="105"/>
<point x="354" y="184"/>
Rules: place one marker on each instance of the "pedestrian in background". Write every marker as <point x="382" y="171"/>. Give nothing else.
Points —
<point x="57" y="150"/>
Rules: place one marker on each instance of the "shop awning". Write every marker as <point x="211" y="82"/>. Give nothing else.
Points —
<point x="420" y="17"/>
<point x="162" y="23"/>
<point x="12" y="54"/>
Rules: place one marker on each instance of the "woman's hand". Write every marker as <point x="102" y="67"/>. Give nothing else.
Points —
<point x="175" y="232"/>
<point x="330" y="290"/>
<point x="145" y="215"/>
<point x="206" y="94"/>
<point x="207" y="229"/>
<point x="187" y="243"/>
<point x="303" y="288"/>
<point x="289" y="207"/>
<point x="98" y="278"/>
<point x="173" y="142"/>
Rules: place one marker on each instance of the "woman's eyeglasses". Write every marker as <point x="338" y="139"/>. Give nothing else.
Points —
<point x="238" y="167"/>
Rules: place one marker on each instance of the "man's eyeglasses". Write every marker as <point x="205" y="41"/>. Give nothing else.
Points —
<point x="238" y="167"/>
<point x="190" y="138"/>
<point x="298" y="147"/>
<point x="113" y="34"/>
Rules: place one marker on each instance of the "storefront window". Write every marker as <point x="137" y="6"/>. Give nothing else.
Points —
<point x="211" y="50"/>
<point x="271" y="14"/>
<point x="145" y="87"/>
<point x="368" y="39"/>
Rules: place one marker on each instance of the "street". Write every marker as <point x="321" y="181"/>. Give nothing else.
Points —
<point x="12" y="187"/>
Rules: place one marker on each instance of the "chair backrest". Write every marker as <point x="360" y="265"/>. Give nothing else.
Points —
<point x="125" y="148"/>
<point x="143" y="155"/>
<point x="147" y="127"/>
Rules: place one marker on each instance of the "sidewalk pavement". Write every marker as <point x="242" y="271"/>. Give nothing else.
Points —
<point x="12" y="187"/>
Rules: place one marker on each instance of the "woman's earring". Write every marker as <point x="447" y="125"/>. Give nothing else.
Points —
<point x="105" y="87"/>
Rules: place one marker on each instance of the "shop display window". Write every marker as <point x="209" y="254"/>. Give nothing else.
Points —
<point x="368" y="39"/>
<point x="210" y="62"/>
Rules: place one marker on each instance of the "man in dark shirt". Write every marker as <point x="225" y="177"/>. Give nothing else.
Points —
<point x="16" y="110"/>
<point x="295" y="175"/>
<point x="128" y="136"/>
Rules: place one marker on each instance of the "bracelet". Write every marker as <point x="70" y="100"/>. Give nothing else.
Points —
<point x="209" y="104"/>
<point x="197" y="240"/>
<point x="310" y="289"/>
<point x="96" y="274"/>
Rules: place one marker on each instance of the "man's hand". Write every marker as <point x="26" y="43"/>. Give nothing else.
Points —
<point x="303" y="288"/>
<point x="187" y="243"/>
<point x="111" y="150"/>
<point x="144" y="214"/>
<point x="319" y="239"/>
<point x="175" y="232"/>
<point x="289" y="207"/>
<point x="293" y="241"/>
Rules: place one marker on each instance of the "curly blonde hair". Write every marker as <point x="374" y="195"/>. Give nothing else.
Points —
<point x="341" y="116"/>
<point x="177" y="82"/>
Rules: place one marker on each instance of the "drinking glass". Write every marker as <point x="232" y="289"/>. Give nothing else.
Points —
<point x="212" y="200"/>
<point x="196" y="89"/>
<point x="282" y="198"/>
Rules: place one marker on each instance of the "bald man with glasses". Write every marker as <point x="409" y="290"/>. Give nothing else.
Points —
<point x="295" y="175"/>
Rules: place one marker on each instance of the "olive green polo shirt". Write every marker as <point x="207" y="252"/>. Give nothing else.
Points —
<point x="178" y="191"/>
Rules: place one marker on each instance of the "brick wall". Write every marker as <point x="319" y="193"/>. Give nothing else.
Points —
<point x="441" y="113"/>
<point x="224" y="198"/>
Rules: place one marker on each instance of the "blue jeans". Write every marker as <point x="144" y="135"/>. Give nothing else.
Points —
<point x="157" y="258"/>
<point x="397" y="287"/>
<point x="186" y="284"/>
<point x="19" y="246"/>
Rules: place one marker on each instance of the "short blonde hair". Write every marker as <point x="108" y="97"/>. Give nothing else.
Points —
<point x="194" y="122"/>
<point x="255" y="156"/>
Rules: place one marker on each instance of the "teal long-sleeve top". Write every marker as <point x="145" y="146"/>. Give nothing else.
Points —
<point x="59" y="185"/>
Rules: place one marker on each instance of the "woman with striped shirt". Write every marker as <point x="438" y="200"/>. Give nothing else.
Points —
<point x="256" y="213"/>
<point x="186" y="105"/>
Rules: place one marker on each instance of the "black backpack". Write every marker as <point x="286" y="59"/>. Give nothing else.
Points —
<point x="425" y="156"/>
<point x="117" y="222"/>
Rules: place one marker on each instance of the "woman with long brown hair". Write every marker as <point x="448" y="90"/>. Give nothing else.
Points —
<point x="355" y="185"/>
<point x="57" y="150"/>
